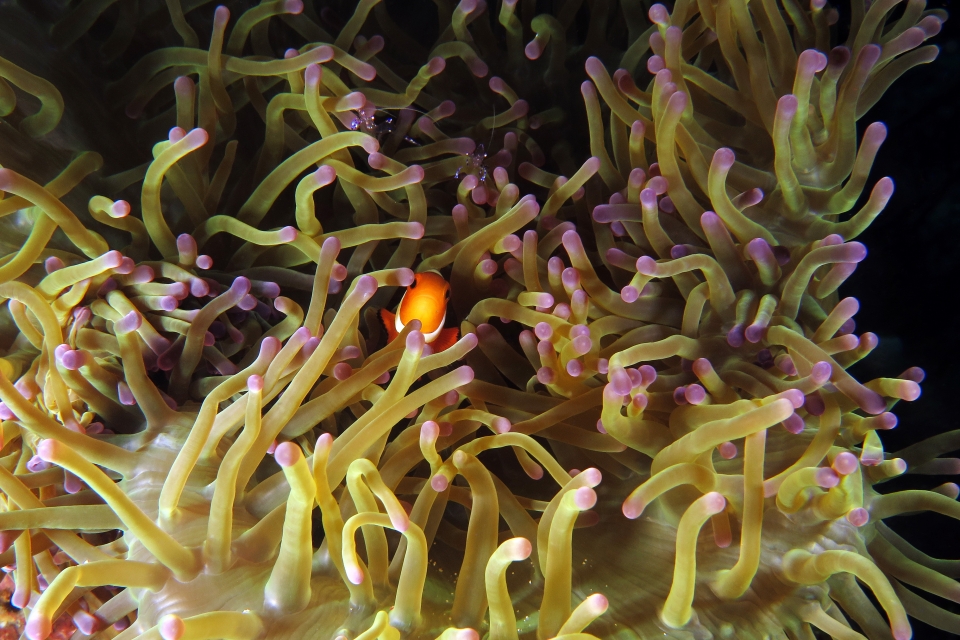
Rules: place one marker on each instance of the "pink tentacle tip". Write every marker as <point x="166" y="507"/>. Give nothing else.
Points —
<point x="485" y="330"/>
<point x="436" y="65"/>
<point x="736" y="336"/>
<point x="415" y="341"/>
<point x="795" y="396"/>
<point x="812" y="60"/>
<point x="53" y="263"/>
<point x="338" y="272"/>
<point x="794" y="424"/>
<point x="500" y="425"/>
<point x="827" y="478"/>
<point x="820" y="372"/>
<point x="591" y="476"/>
<point x="119" y="209"/>
<point x="598" y="603"/>
<point x="186" y="243"/>
<point x="728" y="450"/>
<point x="714" y="502"/>
<point x="288" y="234"/>
<point x="196" y="138"/>
<point x="342" y="371"/>
<point x="546" y="375"/>
<point x="429" y="431"/>
<point x="659" y="14"/>
<point x="534" y="471"/>
<point x="578" y="300"/>
<point x="840" y="56"/>
<point x="647" y="266"/>
<point x="126" y="266"/>
<point x="594" y="67"/>
<point x="247" y="303"/>
<point x="287" y="454"/>
<point x="324" y="441"/>
<point x="711" y="219"/>
<point x="582" y="344"/>
<point x="695" y="394"/>
<point x="183" y="84"/>
<point x="787" y="106"/>
<point x="585" y="498"/>
<point x="680" y="395"/>
<point x="858" y="517"/>
<point x="73" y="360"/>
<point x="845" y="463"/>
<point x="108" y="285"/>
<point x="179" y="290"/>
<point x="36" y="463"/>
<point x="142" y="275"/>
<point x="255" y="383"/>
<point x="128" y="323"/>
<point x="38" y="627"/>
<point x="620" y="382"/>
<point x="519" y="549"/>
<point x="366" y="286"/>
<point x="869" y="56"/>
<point x="349" y="352"/>
<point x="914" y="374"/>
<point x="478" y="67"/>
<point x="312" y="74"/>
<point x="240" y="286"/>
<point x="785" y="363"/>
<point x="632" y="508"/>
<point x="543" y="331"/>
<point x="172" y="627"/>
<point x="124" y="394"/>
<point x="87" y="623"/>
<point x="570" y="277"/>
<point x="439" y="483"/>
<point x="294" y="7"/>
<point x="533" y="50"/>
<point x="176" y="134"/>
<point x="47" y="449"/>
<point x="415" y="229"/>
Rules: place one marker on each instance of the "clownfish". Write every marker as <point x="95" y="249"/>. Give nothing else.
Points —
<point x="424" y="300"/>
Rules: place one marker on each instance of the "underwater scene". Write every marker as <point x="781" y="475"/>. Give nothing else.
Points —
<point x="489" y="319"/>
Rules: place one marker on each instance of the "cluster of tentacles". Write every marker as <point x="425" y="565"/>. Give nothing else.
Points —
<point x="207" y="435"/>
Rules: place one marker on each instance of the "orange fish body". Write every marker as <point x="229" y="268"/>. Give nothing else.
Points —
<point x="425" y="300"/>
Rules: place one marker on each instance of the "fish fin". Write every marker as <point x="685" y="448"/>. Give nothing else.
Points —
<point x="446" y="339"/>
<point x="389" y="321"/>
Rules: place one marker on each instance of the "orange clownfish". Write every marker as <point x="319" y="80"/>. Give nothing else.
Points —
<point x="425" y="300"/>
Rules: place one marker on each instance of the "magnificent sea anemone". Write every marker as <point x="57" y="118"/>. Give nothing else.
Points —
<point x="647" y="427"/>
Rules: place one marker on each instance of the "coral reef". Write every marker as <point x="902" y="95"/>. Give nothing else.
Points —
<point x="644" y="277"/>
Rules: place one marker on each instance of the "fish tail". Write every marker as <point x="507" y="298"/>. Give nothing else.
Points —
<point x="389" y="324"/>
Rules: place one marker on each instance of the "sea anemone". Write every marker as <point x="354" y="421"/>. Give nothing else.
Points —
<point x="645" y="279"/>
